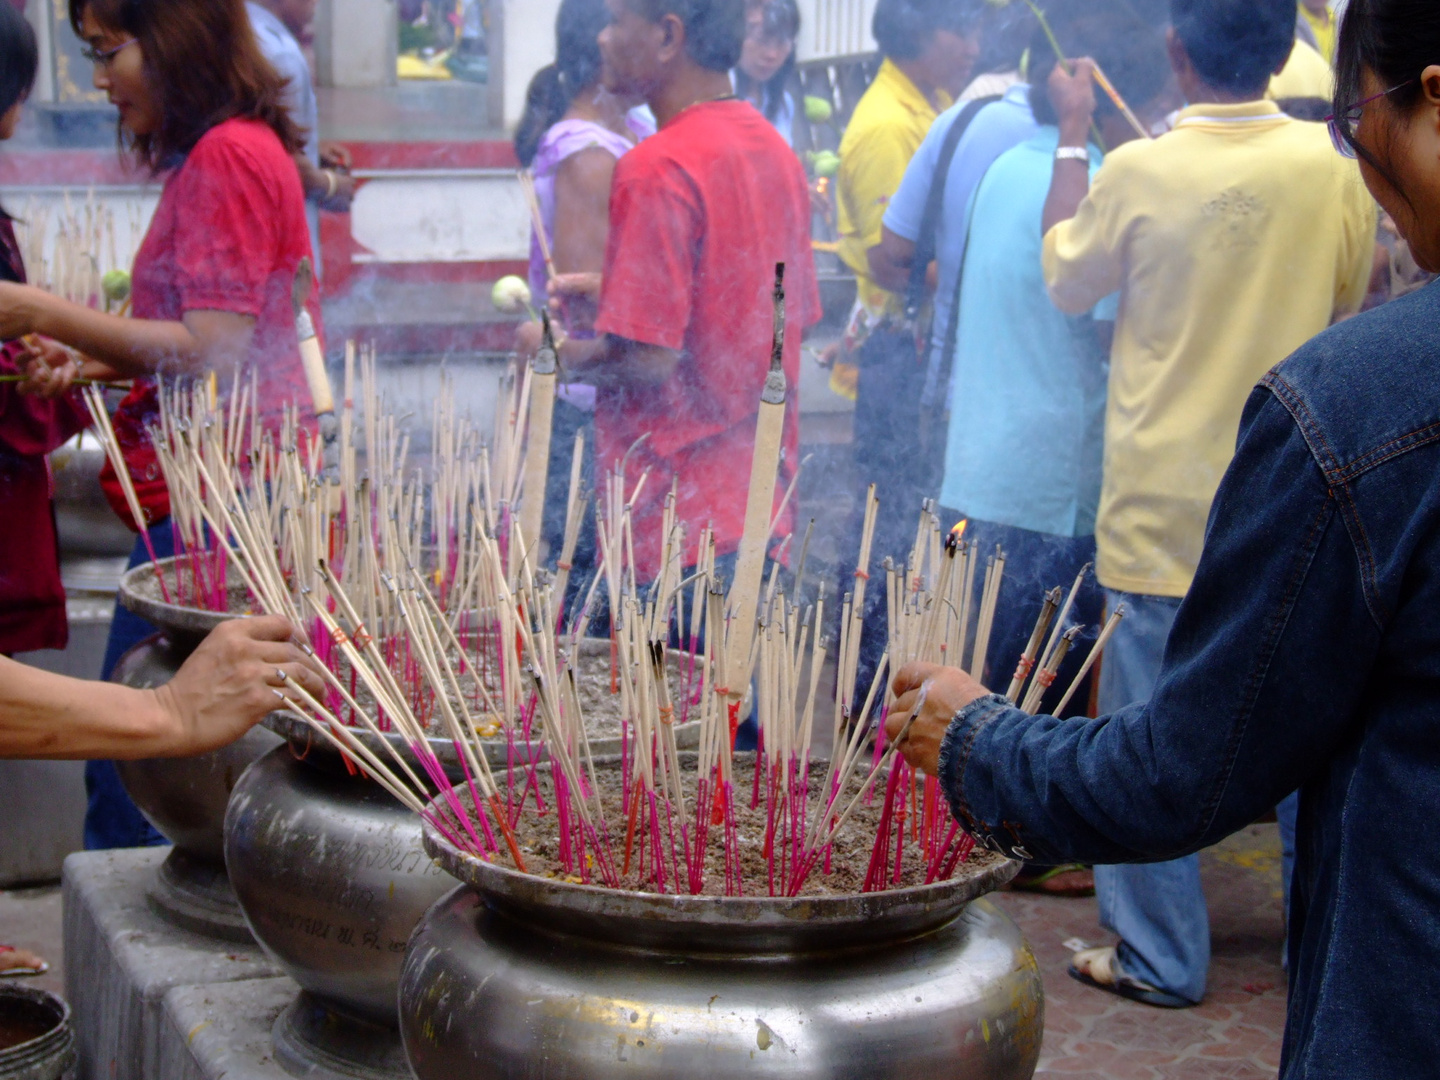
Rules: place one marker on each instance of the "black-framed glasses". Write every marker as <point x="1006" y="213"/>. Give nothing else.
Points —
<point x="104" y="57"/>
<point x="1343" y="125"/>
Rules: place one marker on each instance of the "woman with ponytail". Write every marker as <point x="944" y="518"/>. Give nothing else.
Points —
<point x="571" y="135"/>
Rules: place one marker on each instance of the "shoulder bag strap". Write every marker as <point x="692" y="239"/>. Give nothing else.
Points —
<point x="935" y="206"/>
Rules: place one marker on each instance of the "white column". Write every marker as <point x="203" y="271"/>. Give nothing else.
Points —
<point x="356" y="42"/>
<point x="38" y="14"/>
<point x="522" y="41"/>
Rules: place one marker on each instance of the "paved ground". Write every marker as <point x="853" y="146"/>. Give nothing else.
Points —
<point x="1234" y="1035"/>
<point x="30" y="919"/>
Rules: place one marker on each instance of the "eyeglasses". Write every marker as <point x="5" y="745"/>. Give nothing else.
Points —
<point x="104" y="57"/>
<point x="1343" y="125"/>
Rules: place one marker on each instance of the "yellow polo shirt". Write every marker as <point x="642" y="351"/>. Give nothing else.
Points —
<point x="1325" y="31"/>
<point x="889" y="124"/>
<point x="1306" y="75"/>
<point x="1233" y="240"/>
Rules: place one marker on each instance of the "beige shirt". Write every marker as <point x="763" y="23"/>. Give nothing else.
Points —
<point x="1233" y="239"/>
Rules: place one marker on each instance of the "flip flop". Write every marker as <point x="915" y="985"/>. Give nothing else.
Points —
<point x="1097" y="968"/>
<point x="1038" y="882"/>
<point x="21" y="972"/>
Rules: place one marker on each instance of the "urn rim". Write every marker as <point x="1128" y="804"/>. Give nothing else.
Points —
<point x="714" y="923"/>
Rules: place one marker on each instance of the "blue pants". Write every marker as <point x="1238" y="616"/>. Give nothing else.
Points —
<point x="1157" y="909"/>
<point x="111" y="819"/>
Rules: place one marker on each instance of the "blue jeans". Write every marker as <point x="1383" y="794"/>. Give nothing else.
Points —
<point x="112" y="820"/>
<point x="1157" y="909"/>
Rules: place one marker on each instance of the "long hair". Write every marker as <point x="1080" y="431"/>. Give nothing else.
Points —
<point x="19" y="61"/>
<point x="577" y="65"/>
<point x="1397" y="40"/>
<point x="782" y="19"/>
<point x="206" y="67"/>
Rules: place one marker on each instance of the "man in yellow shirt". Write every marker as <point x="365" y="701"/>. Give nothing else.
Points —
<point x="930" y="47"/>
<point x="1232" y="239"/>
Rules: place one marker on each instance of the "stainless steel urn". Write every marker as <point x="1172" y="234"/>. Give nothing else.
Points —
<point x="516" y="976"/>
<point x="331" y="874"/>
<point x="184" y="798"/>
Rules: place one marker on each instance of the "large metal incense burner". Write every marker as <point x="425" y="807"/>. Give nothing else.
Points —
<point x="330" y="872"/>
<point x="513" y="975"/>
<point x="332" y="877"/>
<point x="184" y="798"/>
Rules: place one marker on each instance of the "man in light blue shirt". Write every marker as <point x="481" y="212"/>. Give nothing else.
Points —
<point x="995" y="129"/>
<point x="1025" y="441"/>
<point x="278" y="25"/>
<point x="1027" y="392"/>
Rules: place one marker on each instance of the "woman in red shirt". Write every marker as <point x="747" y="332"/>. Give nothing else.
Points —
<point x="32" y="598"/>
<point x="212" y="280"/>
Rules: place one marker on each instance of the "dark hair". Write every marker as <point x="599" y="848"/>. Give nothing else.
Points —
<point x="19" y="57"/>
<point x="1005" y="35"/>
<point x="203" y="58"/>
<point x="1129" y="50"/>
<point x="577" y="65"/>
<point x="1235" y="45"/>
<point x="781" y="19"/>
<point x="902" y="28"/>
<point x="1397" y="40"/>
<point x="714" y="29"/>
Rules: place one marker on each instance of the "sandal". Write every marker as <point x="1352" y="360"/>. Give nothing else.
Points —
<point x="35" y="965"/>
<point x="1071" y="880"/>
<point x="1097" y="968"/>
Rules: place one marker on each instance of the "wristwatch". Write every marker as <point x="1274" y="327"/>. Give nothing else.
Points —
<point x="1073" y="153"/>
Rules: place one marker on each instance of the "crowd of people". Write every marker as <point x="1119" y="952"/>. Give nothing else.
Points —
<point x="1108" y="269"/>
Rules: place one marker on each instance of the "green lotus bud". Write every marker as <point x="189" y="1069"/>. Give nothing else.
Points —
<point x="826" y="163"/>
<point x="818" y="110"/>
<point x="511" y="295"/>
<point x="116" y="286"/>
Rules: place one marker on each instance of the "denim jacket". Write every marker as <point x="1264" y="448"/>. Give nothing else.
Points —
<point x="1306" y="655"/>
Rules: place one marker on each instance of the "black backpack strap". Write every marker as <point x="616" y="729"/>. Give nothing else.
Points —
<point x="925" y="243"/>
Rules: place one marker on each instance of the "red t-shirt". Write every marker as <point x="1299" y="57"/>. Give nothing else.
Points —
<point x="700" y="213"/>
<point x="32" y="597"/>
<point x="228" y="234"/>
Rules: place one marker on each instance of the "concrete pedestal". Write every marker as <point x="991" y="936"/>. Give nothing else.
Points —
<point x="122" y="960"/>
<point x="223" y="1030"/>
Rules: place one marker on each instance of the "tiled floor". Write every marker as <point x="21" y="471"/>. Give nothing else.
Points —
<point x="1235" y="1034"/>
<point x="1089" y="1035"/>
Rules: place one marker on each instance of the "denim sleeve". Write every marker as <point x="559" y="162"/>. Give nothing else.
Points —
<point x="1262" y="680"/>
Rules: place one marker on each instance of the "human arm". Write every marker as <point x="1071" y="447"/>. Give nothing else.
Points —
<point x="871" y="168"/>
<point x="36" y="417"/>
<point x="201" y="341"/>
<point x="1267" y="667"/>
<point x="891" y="261"/>
<point x="226" y="686"/>
<point x="606" y="360"/>
<point x="892" y="258"/>
<point x="331" y="188"/>
<point x="1073" y="96"/>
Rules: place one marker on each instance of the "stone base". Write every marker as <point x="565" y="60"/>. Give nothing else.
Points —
<point x="196" y="895"/>
<point x="223" y="1030"/>
<point x="314" y="1040"/>
<point x="122" y="958"/>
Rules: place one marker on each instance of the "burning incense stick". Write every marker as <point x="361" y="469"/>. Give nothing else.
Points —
<point x="764" y="471"/>
<point x="537" y="454"/>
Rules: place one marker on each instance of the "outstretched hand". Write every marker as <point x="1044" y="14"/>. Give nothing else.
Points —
<point x="233" y="681"/>
<point x="933" y="695"/>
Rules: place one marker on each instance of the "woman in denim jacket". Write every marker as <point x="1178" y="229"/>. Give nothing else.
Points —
<point x="1307" y="654"/>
